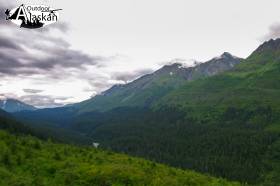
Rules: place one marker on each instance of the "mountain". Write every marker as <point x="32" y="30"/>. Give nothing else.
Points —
<point x="225" y="125"/>
<point x="268" y="46"/>
<point x="253" y="82"/>
<point x="149" y="88"/>
<point x="142" y="92"/>
<point x="13" y="105"/>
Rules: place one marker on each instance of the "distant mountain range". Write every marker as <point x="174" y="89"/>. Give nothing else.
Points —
<point x="147" y="89"/>
<point x="13" y="105"/>
<point x="142" y="92"/>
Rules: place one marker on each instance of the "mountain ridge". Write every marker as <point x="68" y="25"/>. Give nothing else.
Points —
<point x="13" y="105"/>
<point x="144" y="90"/>
<point x="272" y="44"/>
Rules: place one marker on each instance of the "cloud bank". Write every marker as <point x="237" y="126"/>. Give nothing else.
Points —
<point x="41" y="68"/>
<point x="273" y="32"/>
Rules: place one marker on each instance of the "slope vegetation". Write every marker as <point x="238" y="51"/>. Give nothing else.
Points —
<point x="27" y="161"/>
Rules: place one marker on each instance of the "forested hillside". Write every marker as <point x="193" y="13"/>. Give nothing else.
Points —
<point x="27" y="161"/>
<point x="41" y="130"/>
<point x="229" y="145"/>
<point x="227" y="125"/>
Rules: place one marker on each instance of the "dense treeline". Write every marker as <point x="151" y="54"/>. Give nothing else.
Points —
<point x="233" y="143"/>
<point x="45" y="132"/>
<point x="27" y="161"/>
<point x="7" y="122"/>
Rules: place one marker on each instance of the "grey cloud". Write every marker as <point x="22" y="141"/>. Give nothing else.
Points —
<point x="97" y="86"/>
<point x="8" y="95"/>
<point x="66" y="58"/>
<point x="61" y="26"/>
<point x="8" y="63"/>
<point x="25" y="52"/>
<point x="17" y="60"/>
<point x="99" y="83"/>
<point x="7" y="43"/>
<point x="39" y="101"/>
<point x="19" y="48"/>
<point x="273" y="33"/>
<point x="129" y="76"/>
<point x="42" y="101"/>
<point x="32" y="91"/>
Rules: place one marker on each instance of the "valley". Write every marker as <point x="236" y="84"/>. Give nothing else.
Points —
<point x="140" y="93"/>
<point x="28" y="161"/>
<point x="219" y="118"/>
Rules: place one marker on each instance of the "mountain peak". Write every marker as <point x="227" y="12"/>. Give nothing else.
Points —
<point x="13" y="105"/>
<point x="226" y="55"/>
<point x="149" y="88"/>
<point x="176" y="65"/>
<point x="168" y="68"/>
<point x="272" y="44"/>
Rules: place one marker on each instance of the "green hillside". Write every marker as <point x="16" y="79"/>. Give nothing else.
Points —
<point x="146" y="90"/>
<point x="227" y="125"/>
<point x="253" y="82"/>
<point x="27" y="161"/>
<point x="247" y="98"/>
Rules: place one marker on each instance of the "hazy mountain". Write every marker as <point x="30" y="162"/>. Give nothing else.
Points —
<point x="13" y="105"/>
<point x="149" y="88"/>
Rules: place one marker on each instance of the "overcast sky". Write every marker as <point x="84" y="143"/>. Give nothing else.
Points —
<point x="97" y="44"/>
